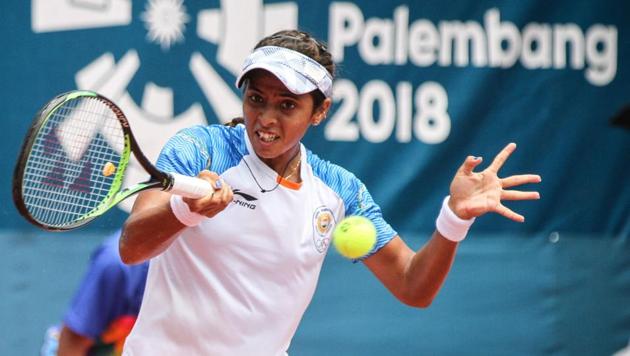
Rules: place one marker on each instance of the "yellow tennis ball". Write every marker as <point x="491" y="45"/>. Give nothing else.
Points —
<point x="354" y="236"/>
<point x="108" y="169"/>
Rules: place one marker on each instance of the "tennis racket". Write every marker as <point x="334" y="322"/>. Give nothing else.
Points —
<point x="72" y="163"/>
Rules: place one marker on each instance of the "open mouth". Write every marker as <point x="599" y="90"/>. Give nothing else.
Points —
<point x="267" y="137"/>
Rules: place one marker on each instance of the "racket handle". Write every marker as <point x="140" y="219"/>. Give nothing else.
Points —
<point x="190" y="187"/>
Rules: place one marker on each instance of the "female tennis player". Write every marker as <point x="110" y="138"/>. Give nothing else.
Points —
<point x="233" y="272"/>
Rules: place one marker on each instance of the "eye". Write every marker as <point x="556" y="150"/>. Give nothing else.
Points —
<point x="255" y="98"/>
<point x="288" y="105"/>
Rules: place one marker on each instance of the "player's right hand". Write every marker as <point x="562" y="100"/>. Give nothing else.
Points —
<point x="212" y="204"/>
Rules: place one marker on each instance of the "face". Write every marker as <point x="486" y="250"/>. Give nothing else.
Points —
<point x="276" y="119"/>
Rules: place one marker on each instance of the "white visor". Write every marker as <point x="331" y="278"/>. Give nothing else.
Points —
<point x="299" y="73"/>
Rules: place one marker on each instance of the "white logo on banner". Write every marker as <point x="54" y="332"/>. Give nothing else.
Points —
<point x="235" y="28"/>
<point x="165" y="21"/>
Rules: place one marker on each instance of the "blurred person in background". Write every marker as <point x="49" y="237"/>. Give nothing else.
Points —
<point x="104" y="307"/>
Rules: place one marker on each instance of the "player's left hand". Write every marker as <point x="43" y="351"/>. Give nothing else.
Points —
<point x="474" y="194"/>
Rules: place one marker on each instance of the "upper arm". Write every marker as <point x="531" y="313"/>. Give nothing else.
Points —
<point x="390" y="257"/>
<point x="355" y="199"/>
<point x="389" y="265"/>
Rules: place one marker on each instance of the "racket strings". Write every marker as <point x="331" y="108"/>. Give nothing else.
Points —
<point x="65" y="177"/>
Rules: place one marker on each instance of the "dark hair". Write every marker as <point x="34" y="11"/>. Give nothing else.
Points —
<point x="306" y="44"/>
<point x="235" y="121"/>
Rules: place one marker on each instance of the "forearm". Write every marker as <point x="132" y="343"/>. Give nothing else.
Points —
<point x="427" y="269"/>
<point x="149" y="230"/>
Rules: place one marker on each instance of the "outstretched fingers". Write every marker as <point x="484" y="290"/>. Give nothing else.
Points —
<point x="508" y="213"/>
<point x="469" y="164"/>
<point x="518" y="195"/>
<point x="500" y="159"/>
<point x="521" y="179"/>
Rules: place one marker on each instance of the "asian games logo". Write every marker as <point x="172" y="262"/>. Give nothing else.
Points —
<point x="323" y="224"/>
<point x="179" y="30"/>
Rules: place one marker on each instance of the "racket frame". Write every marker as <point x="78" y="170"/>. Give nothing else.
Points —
<point x="115" y="195"/>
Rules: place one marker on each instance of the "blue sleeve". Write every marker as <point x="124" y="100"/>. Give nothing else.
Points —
<point x="360" y="202"/>
<point x="100" y="298"/>
<point x="356" y="198"/>
<point x="215" y="147"/>
<point x="186" y="153"/>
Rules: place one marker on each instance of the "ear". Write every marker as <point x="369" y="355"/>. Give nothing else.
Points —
<point x="321" y="112"/>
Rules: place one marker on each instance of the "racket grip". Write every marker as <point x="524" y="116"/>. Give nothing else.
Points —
<point x="190" y="187"/>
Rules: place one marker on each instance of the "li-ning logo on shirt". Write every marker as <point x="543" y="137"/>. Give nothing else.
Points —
<point x="248" y="199"/>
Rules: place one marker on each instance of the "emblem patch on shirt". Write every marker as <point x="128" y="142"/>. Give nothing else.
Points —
<point x="323" y="224"/>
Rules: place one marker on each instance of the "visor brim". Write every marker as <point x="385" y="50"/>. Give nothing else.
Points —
<point x="294" y="81"/>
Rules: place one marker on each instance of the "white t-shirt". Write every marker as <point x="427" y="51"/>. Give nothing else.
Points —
<point x="239" y="283"/>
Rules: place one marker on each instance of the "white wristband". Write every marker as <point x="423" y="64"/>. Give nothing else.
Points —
<point x="450" y="225"/>
<point x="182" y="212"/>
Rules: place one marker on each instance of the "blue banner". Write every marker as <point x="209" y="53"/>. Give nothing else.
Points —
<point x="420" y="85"/>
